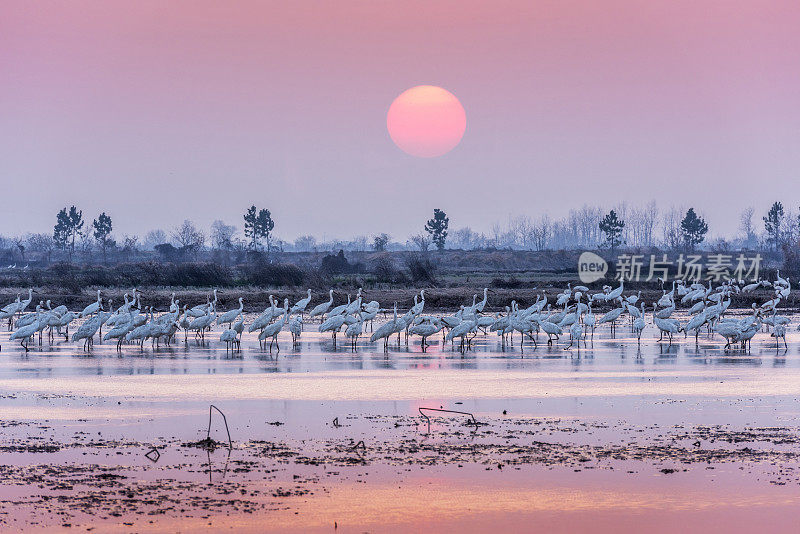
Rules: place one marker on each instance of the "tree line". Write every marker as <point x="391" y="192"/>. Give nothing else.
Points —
<point x="583" y="228"/>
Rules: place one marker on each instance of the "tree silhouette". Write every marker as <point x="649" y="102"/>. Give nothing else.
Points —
<point x="380" y="242"/>
<point x="257" y="225"/>
<point x="772" y="224"/>
<point x="189" y="237"/>
<point x="102" y="232"/>
<point x="222" y="235"/>
<point x="693" y="229"/>
<point x="612" y="227"/>
<point x="437" y="228"/>
<point x="68" y="227"/>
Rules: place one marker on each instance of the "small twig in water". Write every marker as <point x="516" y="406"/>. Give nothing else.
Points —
<point x="428" y="419"/>
<point x="153" y="451"/>
<point x="224" y="419"/>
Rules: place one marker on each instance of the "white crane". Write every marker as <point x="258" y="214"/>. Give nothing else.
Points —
<point x="332" y="324"/>
<point x="340" y="309"/>
<point x="120" y="331"/>
<point x="478" y="307"/>
<point x="462" y="330"/>
<point x="419" y="306"/>
<point x="89" y="328"/>
<point x="385" y="331"/>
<point x="426" y="330"/>
<point x="666" y="326"/>
<point x="272" y="331"/>
<point x="296" y="328"/>
<point x="229" y="316"/>
<point x="25" y="333"/>
<point x="354" y="331"/>
<point x="201" y="309"/>
<point x="265" y="318"/>
<point x="200" y="324"/>
<point x="576" y="333"/>
<point x="551" y="329"/>
<point x="92" y="308"/>
<point x="322" y="309"/>
<point x="301" y="305"/>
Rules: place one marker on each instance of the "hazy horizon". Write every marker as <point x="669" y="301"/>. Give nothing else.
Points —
<point x="156" y="113"/>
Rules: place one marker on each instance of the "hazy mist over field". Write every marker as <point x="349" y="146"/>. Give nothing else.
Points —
<point x="157" y="112"/>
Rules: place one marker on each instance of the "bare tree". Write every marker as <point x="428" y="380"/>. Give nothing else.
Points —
<point x="222" y="235"/>
<point x="541" y="232"/>
<point x="86" y="244"/>
<point x="19" y="243"/>
<point x="588" y="225"/>
<point x="520" y="232"/>
<point x="360" y="243"/>
<point x="789" y="230"/>
<point x="421" y="241"/>
<point x="642" y="222"/>
<point x="153" y="238"/>
<point x="130" y="246"/>
<point x="650" y="213"/>
<point x="380" y="242"/>
<point x="671" y="228"/>
<point x="747" y="229"/>
<point x="466" y="239"/>
<point x="188" y="236"/>
<point x="623" y="212"/>
<point x="305" y="243"/>
<point x="497" y="234"/>
<point x="43" y="243"/>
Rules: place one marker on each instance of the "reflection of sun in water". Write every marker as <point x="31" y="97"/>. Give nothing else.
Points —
<point x="426" y="121"/>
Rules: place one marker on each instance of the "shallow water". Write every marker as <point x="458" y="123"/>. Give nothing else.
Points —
<point x="583" y="443"/>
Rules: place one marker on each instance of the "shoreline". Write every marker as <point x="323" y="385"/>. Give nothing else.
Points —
<point x="438" y="299"/>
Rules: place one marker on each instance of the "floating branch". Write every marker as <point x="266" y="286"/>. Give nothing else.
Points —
<point x="357" y="445"/>
<point x="224" y="419"/>
<point x="428" y="419"/>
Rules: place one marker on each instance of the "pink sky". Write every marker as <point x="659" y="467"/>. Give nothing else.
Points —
<point x="158" y="111"/>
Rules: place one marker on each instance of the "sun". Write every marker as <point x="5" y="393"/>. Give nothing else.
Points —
<point x="426" y="121"/>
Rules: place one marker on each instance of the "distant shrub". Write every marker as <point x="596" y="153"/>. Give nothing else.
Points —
<point x="338" y="264"/>
<point x="197" y="274"/>
<point x="316" y="278"/>
<point x="386" y="273"/>
<point x="421" y="269"/>
<point x="335" y="264"/>
<point x="273" y="274"/>
<point x="509" y="283"/>
<point x="166" y="251"/>
<point x="66" y="274"/>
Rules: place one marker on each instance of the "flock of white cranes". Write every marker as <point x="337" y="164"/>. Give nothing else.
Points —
<point x="570" y="314"/>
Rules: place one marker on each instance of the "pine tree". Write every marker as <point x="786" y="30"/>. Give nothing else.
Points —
<point x="258" y="224"/>
<point x="102" y="231"/>
<point x="612" y="227"/>
<point x="772" y="224"/>
<point x="68" y="227"/>
<point x="437" y="228"/>
<point x="693" y="229"/>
